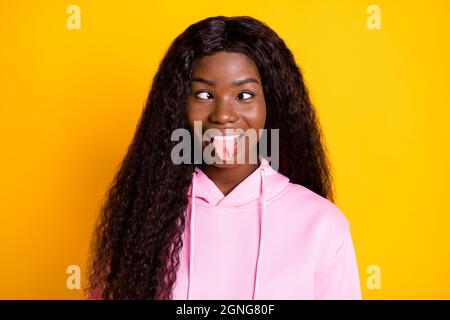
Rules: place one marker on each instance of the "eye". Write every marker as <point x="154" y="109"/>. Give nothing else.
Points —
<point x="245" y="95"/>
<point x="204" y="95"/>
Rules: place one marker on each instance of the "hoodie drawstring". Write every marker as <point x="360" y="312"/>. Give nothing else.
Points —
<point x="260" y="243"/>
<point x="261" y="238"/>
<point x="191" y="236"/>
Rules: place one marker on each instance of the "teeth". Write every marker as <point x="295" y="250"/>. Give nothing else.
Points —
<point x="227" y="137"/>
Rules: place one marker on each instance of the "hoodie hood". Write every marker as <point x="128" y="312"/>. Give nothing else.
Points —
<point x="248" y="193"/>
<point x="260" y="186"/>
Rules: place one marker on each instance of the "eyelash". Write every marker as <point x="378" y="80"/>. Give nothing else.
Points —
<point x="243" y="92"/>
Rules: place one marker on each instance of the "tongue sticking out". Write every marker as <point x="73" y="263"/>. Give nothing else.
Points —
<point x="224" y="147"/>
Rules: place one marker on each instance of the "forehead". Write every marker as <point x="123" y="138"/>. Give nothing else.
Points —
<point x="226" y="65"/>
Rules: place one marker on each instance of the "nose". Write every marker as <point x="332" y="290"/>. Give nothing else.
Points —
<point x="223" y="112"/>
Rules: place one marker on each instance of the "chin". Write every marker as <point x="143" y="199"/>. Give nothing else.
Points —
<point x="227" y="165"/>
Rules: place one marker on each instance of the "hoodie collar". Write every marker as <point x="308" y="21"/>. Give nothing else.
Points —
<point x="248" y="191"/>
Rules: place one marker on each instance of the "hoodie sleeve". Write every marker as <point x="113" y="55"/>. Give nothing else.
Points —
<point x="337" y="278"/>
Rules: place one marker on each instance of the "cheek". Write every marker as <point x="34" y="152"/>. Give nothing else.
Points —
<point x="191" y="118"/>
<point x="195" y="113"/>
<point x="256" y="117"/>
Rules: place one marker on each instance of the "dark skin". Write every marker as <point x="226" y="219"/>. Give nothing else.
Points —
<point x="227" y="93"/>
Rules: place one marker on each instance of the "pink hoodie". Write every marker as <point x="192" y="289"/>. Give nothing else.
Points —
<point x="267" y="239"/>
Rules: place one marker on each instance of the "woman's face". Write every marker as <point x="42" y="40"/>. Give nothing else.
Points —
<point x="227" y="93"/>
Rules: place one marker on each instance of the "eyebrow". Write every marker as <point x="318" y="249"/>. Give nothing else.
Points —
<point x="234" y="83"/>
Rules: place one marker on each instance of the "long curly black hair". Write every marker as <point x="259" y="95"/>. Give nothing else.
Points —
<point x="138" y="235"/>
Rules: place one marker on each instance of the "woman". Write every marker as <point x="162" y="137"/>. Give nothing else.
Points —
<point x="226" y="229"/>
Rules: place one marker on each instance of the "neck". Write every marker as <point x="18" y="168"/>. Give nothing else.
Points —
<point x="226" y="179"/>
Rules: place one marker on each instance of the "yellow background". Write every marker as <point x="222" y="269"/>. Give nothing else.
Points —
<point x="70" y="100"/>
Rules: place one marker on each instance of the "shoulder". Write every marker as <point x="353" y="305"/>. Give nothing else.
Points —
<point x="324" y="225"/>
<point x="319" y="214"/>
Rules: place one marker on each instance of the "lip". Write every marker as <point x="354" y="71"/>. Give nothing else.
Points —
<point x="224" y="142"/>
